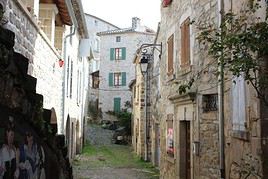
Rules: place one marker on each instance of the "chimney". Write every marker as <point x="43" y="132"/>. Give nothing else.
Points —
<point x="135" y="22"/>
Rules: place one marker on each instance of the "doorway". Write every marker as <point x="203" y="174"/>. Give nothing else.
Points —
<point x="185" y="150"/>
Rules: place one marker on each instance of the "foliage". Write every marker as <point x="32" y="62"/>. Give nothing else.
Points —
<point x="124" y="117"/>
<point x="93" y="111"/>
<point x="240" y="46"/>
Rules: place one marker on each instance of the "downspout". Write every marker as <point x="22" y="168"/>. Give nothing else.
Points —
<point x="71" y="12"/>
<point x="221" y="100"/>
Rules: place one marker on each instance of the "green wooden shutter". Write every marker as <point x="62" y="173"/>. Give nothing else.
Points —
<point x="117" y="104"/>
<point x="112" y="55"/>
<point x="123" y="53"/>
<point x="111" y="79"/>
<point x="124" y="78"/>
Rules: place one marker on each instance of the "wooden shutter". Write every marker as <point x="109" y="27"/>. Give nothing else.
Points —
<point x="124" y="78"/>
<point x="111" y="76"/>
<point x="117" y="104"/>
<point x="185" y="43"/>
<point x="170" y="54"/>
<point x="124" y="53"/>
<point x="112" y="55"/>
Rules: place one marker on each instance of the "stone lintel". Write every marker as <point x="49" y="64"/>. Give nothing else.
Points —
<point x="183" y="98"/>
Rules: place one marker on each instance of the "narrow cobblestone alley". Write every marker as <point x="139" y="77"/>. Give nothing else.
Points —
<point x="103" y="160"/>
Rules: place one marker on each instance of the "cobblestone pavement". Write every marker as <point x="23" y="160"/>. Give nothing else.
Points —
<point x="103" y="160"/>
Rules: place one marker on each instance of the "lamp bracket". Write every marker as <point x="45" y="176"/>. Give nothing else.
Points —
<point x="158" y="47"/>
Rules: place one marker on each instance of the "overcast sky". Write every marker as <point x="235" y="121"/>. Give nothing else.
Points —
<point x="120" y="12"/>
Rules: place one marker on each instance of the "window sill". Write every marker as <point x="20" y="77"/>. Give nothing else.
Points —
<point x="185" y="70"/>
<point x="170" y="77"/>
<point x="242" y="135"/>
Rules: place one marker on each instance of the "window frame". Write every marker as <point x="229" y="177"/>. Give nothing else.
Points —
<point x="118" y="38"/>
<point x="170" y="56"/>
<point x="185" y="58"/>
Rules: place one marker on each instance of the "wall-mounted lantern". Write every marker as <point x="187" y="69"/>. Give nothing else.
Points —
<point x="61" y="62"/>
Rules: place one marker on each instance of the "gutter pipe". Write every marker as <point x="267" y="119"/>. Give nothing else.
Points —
<point x="72" y="14"/>
<point x="221" y="100"/>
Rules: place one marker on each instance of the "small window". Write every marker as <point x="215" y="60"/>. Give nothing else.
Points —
<point x="210" y="102"/>
<point x="118" y="39"/>
<point x="96" y="23"/>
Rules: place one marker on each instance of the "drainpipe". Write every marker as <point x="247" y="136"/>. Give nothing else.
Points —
<point x="221" y="101"/>
<point x="71" y="12"/>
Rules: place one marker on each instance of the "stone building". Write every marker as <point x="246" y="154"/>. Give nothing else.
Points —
<point x="188" y="123"/>
<point x="44" y="33"/>
<point x="95" y="25"/>
<point x="117" y="51"/>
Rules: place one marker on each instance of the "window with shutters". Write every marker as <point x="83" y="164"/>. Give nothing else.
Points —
<point x="170" y="136"/>
<point x="117" y="79"/>
<point x="239" y="104"/>
<point x="118" y="53"/>
<point x="170" y="61"/>
<point x="185" y="43"/>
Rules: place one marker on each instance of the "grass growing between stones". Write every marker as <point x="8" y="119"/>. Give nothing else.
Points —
<point x="114" y="156"/>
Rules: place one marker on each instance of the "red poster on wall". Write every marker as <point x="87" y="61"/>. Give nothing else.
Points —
<point x="170" y="142"/>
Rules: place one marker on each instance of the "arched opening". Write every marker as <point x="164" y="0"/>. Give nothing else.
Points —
<point x="54" y="121"/>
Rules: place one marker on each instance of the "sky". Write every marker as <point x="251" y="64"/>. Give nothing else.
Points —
<point x="120" y="12"/>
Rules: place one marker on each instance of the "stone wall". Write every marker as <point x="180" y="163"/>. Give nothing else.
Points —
<point x="22" y="112"/>
<point x="31" y="42"/>
<point x="243" y="148"/>
<point x="203" y="127"/>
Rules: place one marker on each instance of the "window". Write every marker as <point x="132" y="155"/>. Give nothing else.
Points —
<point x="117" y="79"/>
<point x="185" y="43"/>
<point x="117" y="105"/>
<point x="170" y="136"/>
<point x="170" y="55"/>
<point x="239" y="104"/>
<point x="97" y="45"/>
<point x="210" y="102"/>
<point x="96" y="22"/>
<point x="71" y="80"/>
<point x="118" y="53"/>
<point x="118" y="39"/>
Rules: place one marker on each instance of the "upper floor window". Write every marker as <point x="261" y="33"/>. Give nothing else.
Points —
<point x="118" y="38"/>
<point x="118" y="53"/>
<point x="96" y="22"/>
<point x="117" y="79"/>
<point x="170" y="61"/>
<point x="185" y="43"/>
<point x="97" y="45"/>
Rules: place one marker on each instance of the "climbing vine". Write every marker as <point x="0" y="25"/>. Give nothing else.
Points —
<point x="240" y="45"/>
